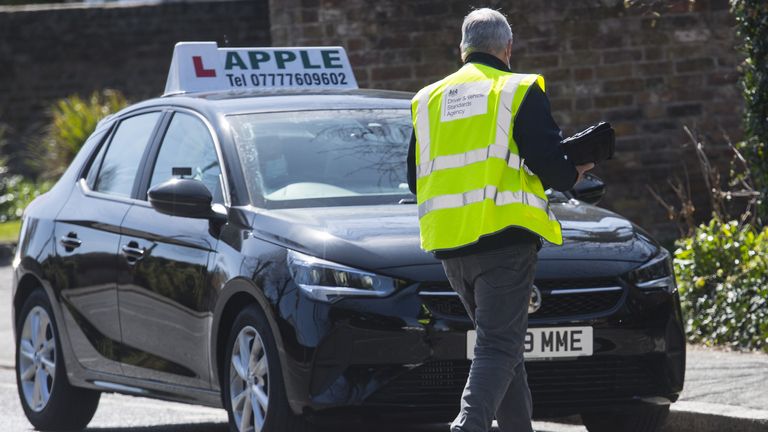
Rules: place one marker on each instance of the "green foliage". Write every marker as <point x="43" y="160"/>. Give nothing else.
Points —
<point x="3" y="158"/>
<point x="752" y="26"/>
<point x="16" y="193"/>
<point x="722" y="273"/>
<point x="73" y="121"/>
<point x="9" y="231"/>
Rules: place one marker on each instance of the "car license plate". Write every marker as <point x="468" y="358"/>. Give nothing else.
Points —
<point x="548" y="342"/>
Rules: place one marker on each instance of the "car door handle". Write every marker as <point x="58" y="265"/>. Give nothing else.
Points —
<point x="133" y="252"/>
<point x="70" y="241"/>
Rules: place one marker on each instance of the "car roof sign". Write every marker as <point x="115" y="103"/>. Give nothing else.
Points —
<point x="204" y="67"/>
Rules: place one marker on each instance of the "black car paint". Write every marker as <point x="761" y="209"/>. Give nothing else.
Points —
<point x="215" y="268"/>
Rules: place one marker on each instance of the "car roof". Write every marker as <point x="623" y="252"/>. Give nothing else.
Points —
<point x="229" y="102"/>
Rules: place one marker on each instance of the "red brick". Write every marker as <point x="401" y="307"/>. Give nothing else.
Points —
<point x="653" y="53"/>
<point x="659" y="126"/>
<point x="583" y="74"/>
<point x="623" y="129"/>
<point x="577" y="44"/>
<point x="582" y="103"/>
<point x="545" y="45"/>
<point x="309" y="15"/>
<point x="580" y="58"/>
<point x="559" y="74"/>
<point x="537" y="62"/>
<point x="695" y="65"/>
<point x="633" y="113"/>
<point x="606" y="42"/>
<point x="653" y="69"/>
<point x="684" y="110"/>
<point x="630" y="85"/>
<point x="723" y="78"/>
<point x="613" y="101"/>
<point x="614" y="71"/>
<point x="693" y="94"/>
<point x="355" y="44"/>
<point x="563" y="104"/>
<point x="390" y="73"/>
<point x="655" y="84"/>
<point x="622" y="56"/>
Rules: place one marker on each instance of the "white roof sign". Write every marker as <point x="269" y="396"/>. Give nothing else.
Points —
<point x="203" y="66"/>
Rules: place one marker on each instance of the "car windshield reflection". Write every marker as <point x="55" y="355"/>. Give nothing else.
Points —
<point x="330" y="157"/>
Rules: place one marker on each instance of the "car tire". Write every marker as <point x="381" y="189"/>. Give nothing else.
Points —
<point x="252" y="378"/>
<point x="40" y="371"/>
<point x="645" y="419"/>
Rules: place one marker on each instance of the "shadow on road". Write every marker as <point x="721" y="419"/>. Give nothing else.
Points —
<point x="222" y="427"/>
<point x="198" y="427"/>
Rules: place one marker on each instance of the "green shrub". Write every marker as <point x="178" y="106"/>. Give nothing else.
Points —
<point x="16" y="193"/>
<point x="73" y="121"/>
<point x="752" y="27"/>
<point x="722" y="273"/>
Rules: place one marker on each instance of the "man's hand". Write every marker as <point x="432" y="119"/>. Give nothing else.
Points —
<point x="583" y="169"/>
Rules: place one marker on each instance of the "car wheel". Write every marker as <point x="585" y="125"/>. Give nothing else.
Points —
<point x="49" y="401"/>
<point x="645" y="419"/>
<point x="254" y="392"/>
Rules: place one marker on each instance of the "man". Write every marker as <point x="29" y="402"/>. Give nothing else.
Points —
<point x="482" y="206"/>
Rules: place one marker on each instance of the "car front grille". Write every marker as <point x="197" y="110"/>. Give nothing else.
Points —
<point x="570" y="383"/>
<point x="560" y="298"/>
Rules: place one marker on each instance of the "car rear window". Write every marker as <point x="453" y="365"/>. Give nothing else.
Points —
<point x="328" y="157"/>
<point x="121" y="162"/>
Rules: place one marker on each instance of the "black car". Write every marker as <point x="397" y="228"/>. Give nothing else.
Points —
<point x="260" y="252"/>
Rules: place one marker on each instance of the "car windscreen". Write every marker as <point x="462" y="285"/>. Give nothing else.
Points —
<point x="324" y="157"/>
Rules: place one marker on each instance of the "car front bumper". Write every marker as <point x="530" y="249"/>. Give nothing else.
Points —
<point x="398" y="357"/>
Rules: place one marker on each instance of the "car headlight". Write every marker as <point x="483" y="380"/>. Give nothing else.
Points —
<point x="656" y="275"/>
<point x="328" y="281"/>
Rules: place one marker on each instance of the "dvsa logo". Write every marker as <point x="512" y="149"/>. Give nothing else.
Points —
<point x="453" y="92"/>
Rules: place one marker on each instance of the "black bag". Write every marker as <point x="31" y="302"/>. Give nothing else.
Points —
<point x="594" y="144"/>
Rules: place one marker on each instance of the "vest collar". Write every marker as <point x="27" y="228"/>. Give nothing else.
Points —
<point x="487" y="60"/>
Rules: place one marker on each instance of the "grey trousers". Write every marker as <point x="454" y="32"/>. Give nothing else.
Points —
<point x="495" y="288"/>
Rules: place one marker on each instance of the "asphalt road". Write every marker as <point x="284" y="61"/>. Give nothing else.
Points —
<point x="119" y="413"/>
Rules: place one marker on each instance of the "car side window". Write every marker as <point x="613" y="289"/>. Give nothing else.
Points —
<point x="93" y="168"/>
<point x="188" y="144"/>
<point x="121" y="160"/>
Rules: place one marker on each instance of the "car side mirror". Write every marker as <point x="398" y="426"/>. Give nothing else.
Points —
<point x="182" y="197"/>
<point x="590" y="189"/>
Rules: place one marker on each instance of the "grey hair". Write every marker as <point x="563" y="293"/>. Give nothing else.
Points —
<point x="485" y="30"/>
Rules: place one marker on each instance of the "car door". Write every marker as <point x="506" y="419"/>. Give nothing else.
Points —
<point x="165" y="294"/>
<point x="87" y="234"/>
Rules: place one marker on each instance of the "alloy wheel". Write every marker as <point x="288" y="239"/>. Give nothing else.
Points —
<point x="249" y="381"/>
<point x="37" y="358"/>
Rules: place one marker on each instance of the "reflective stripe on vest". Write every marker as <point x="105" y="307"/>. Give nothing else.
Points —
<point x="489" y="192"/>
<point x="422" y="121"/>
<point x="467" y="158"/>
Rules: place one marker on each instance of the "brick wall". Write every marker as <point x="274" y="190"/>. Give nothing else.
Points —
<point x="648" y="74"/>
<point x="48" y="53"/>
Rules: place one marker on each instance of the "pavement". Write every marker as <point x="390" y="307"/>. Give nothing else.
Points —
<point x="724" y="391"/>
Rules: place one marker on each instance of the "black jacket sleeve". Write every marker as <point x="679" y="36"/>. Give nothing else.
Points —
<point x="411" y="161"/>
<point x="538" y="139"/>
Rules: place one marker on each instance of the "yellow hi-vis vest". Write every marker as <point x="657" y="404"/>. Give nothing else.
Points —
<point x="471" y="180"/>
